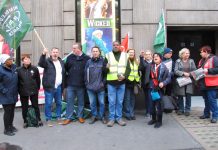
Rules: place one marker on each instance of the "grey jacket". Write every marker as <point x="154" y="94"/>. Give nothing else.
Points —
<point x="178" y="71"/>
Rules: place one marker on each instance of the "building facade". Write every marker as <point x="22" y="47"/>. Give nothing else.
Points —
<point x="190" y="23"/>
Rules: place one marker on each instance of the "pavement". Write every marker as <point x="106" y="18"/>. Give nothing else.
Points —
<point x="175" y="134"/>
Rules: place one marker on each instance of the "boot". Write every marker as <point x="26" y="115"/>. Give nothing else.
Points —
<point x="158" y="124"/>
<point x="153" y="120"/>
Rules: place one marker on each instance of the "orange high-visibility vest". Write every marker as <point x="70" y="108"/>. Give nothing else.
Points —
<point x="210" y="80"/>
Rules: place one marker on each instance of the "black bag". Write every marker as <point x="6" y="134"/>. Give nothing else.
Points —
<point x="168" y="104"/>
<point x="32" y="120"/>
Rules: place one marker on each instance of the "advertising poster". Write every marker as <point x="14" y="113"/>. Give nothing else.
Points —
<point x="97" y="25"/>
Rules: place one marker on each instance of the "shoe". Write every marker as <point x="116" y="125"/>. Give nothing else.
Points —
<point x="9" y="133"/>
<point x="40" y="124"/>
<point x="213" y="121"/>
<point x="81" y="120"/>
<point x="128" y="118"/>
<point x="49" y="123"/>
<point x="13" y="129"/>
<point x="179" y="113"/>
<point x="25" y="125"/>
<point x="59" y="121"/>
<point x="204" y="117"/>
<point x="133" y="118"/>
<point x="93" y="120"/>
<point x="151" y="122"/>
<point x="157" y="125"/>
<point x="103" y="120"/>
<point x="121" y="122"/>
<point x="110" y="123"/>
<point x="66" y="122"/>
<point x="187" y="113"/>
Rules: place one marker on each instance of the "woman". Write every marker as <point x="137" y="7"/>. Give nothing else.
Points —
<point x="8" y="92"/>
<point x="28" y="88"/>
<point x="132" y="80"/>
<point x="209" y="84"/>
<point x="159" y="78"/>
<point x="183" y="66"/>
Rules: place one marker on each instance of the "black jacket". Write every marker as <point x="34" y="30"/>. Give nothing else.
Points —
<point x="28" y="80"/>
<point x="75" y="69"/>
<point x="49" y="74"/>
<point x="145" y="68"/>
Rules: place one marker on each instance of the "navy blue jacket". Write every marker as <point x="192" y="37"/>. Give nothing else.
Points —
<point x="75" y="66"/>
<point x="8" y="85"/>
<point x="49" y="74"/>
<point x="95" y="74"/>
<point x="163" y="75"/>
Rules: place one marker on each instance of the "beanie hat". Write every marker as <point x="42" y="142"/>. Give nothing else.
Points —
<point x="3" y="58"/>
<point x="167" y="50"/>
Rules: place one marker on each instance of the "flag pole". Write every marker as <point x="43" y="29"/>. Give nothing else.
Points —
<point x="39" y="38"/>
<point x="164" y="27"/>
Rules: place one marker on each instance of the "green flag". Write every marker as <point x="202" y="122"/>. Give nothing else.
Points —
<point x="14" y="23"/>
<point x="160" y="39"/>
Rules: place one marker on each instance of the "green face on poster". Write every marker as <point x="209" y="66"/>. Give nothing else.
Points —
<point x="97" y="25"/>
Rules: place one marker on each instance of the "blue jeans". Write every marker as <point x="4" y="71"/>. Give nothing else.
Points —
<point x="72" y="93"/>
<point x="187" y="103"/>
<point x="210" y="103"/>
<point x="115" y="98"/>
<point x="49" y="96"/>
<point x="93" y="103"/>
<point x="129" y="102"/>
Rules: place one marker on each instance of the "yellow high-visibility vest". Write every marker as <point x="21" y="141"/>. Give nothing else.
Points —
<point x="116" y="67"/>
<point x="134" y="75"/>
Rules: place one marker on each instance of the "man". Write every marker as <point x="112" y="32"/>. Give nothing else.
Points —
<point x="75" y="66"/>
<point x="118" y="70"/>
<point x="28" y="88"/>
<point x="144" y="68"/>
<point x="53" y="82"/>
<point x="4" y="47"/>
<point x="209" y="84"/>
<point x="95" y="80"/>
<point x="170" y="64"/>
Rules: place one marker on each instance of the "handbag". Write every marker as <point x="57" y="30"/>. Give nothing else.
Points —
<point x="155" y="95"/>
<point x="182" y="81"/>
<point x="136" y="89"/>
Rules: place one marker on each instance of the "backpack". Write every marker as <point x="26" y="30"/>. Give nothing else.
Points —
<point x="32" y="120"/>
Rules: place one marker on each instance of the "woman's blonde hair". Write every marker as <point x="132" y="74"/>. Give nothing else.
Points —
<point x="182" y="51"/>
<point x="135" y="60"/>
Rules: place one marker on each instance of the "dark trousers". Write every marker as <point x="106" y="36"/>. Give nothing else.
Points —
<point x="148" y="101"/>
<point x="157" y="109"/>
<point x="25" y="104"/>
<point x="8" y="115"/>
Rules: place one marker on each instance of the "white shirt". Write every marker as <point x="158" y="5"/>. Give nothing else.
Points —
<point x="58" y="69"/>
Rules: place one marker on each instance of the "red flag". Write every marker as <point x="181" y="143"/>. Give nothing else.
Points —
<point x="125" y="43"/>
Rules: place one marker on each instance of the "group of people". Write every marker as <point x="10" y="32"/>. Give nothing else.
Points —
<point x="116" y="76"/>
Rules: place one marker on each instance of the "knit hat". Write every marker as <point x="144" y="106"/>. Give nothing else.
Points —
<point x="167" y="50"/>
<point x="3" y="58"/>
